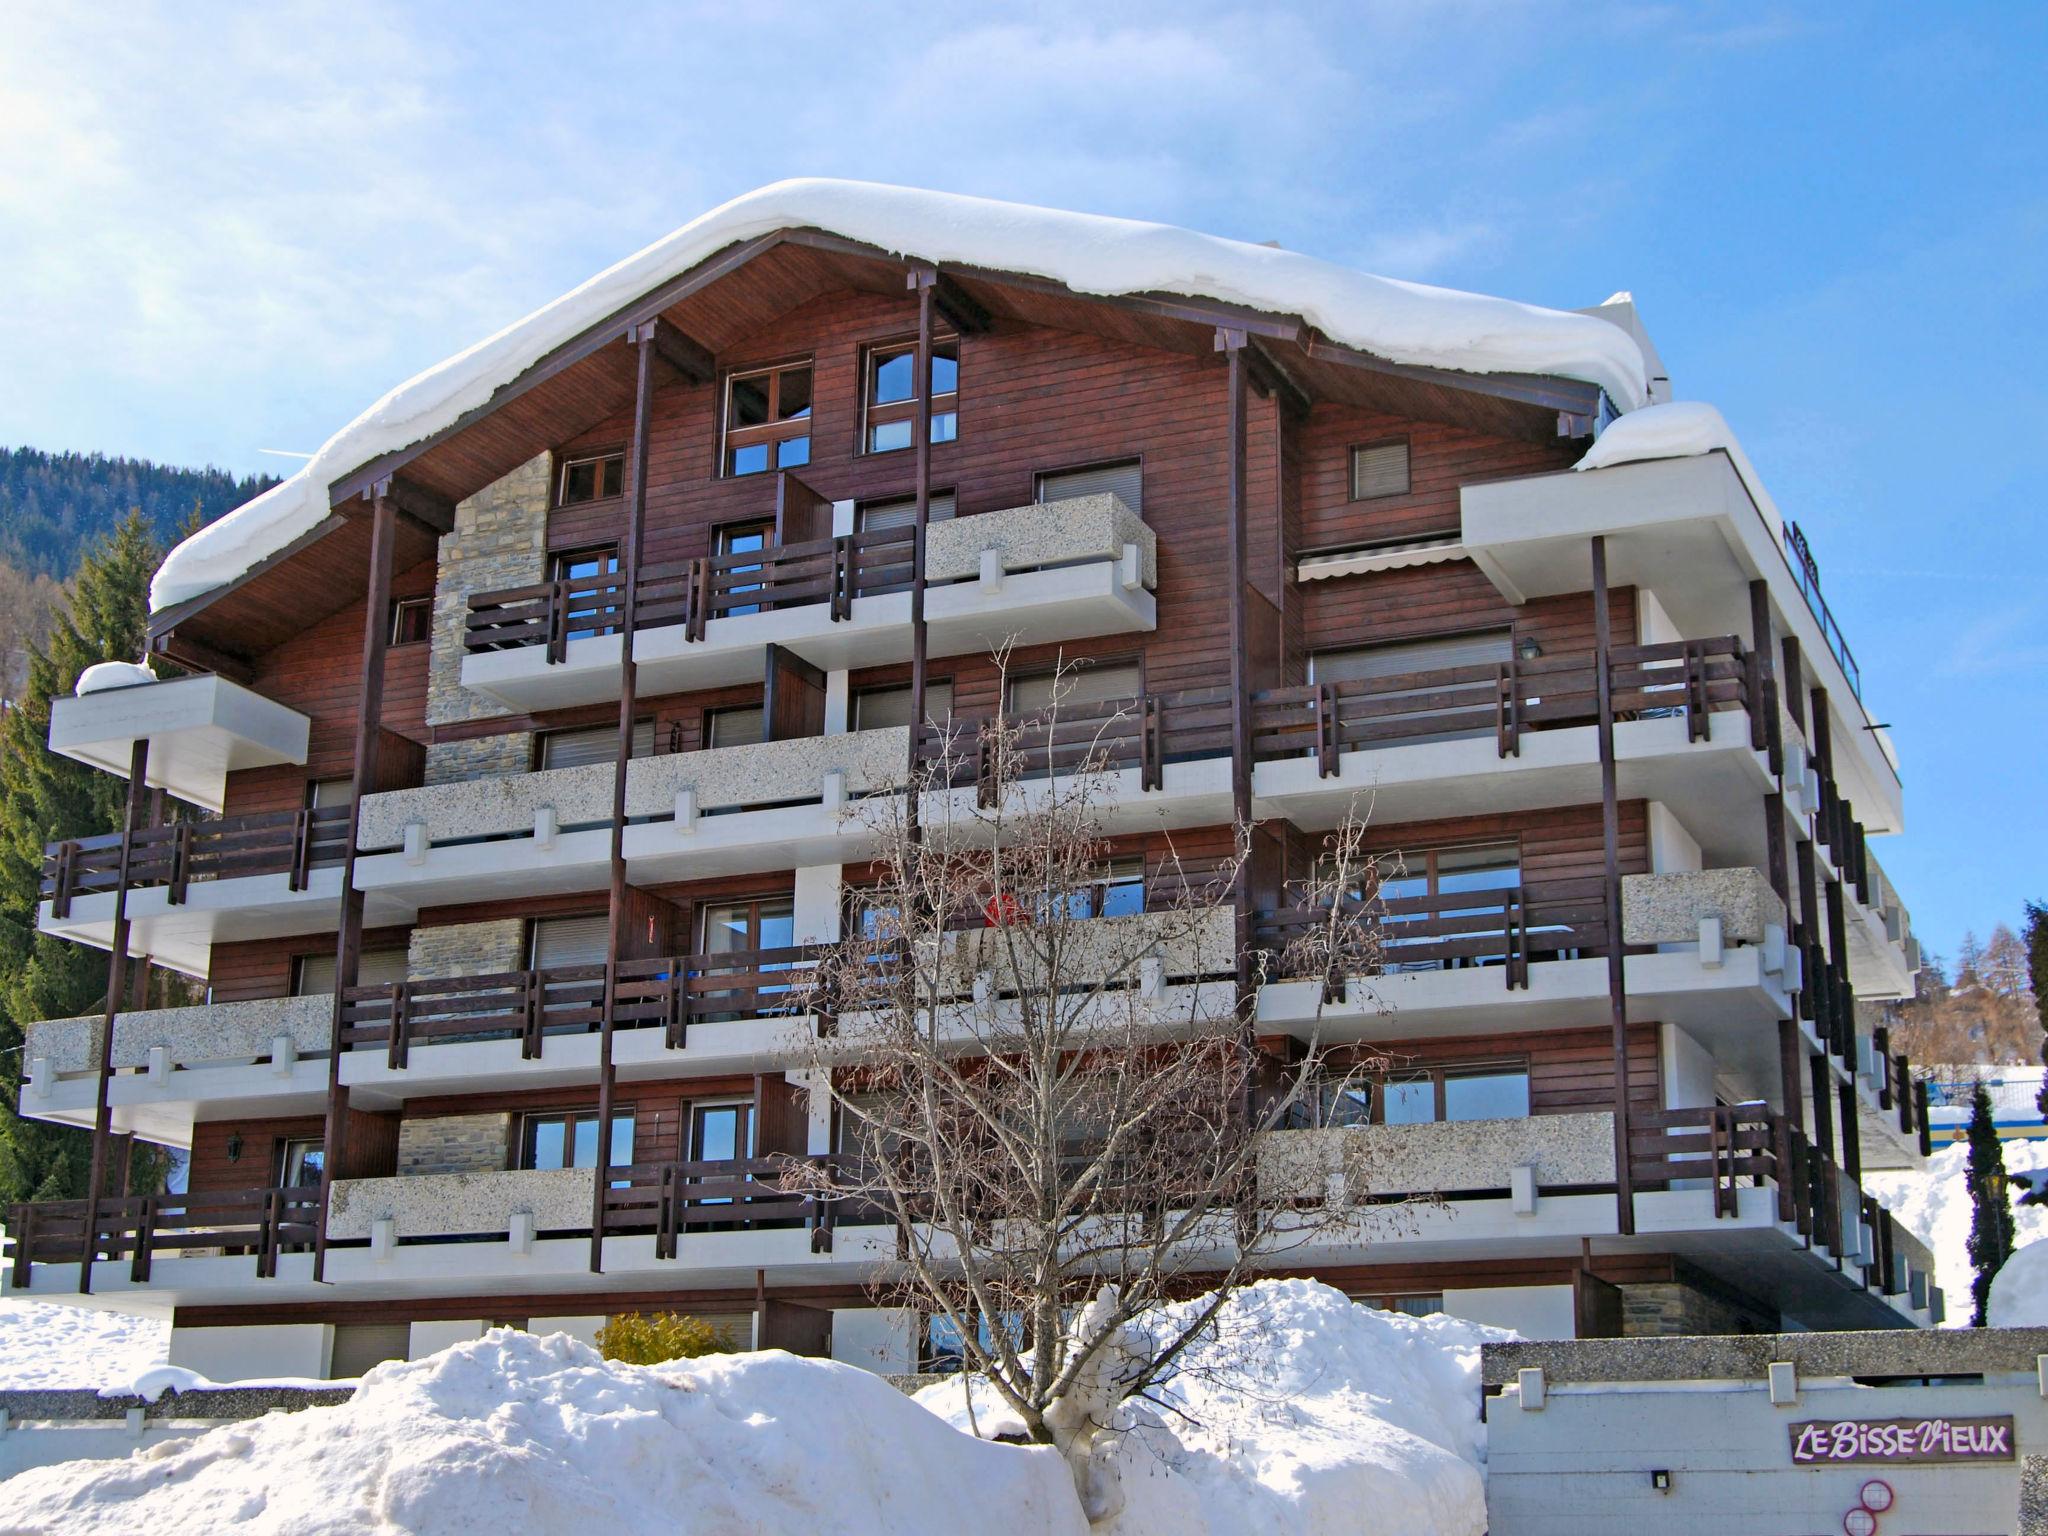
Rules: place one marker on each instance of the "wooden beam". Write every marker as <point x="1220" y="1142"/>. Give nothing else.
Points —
<point x="1273" y="378"/>
<point x="165" y="620"/>
<point x="1610" y="850"/>
<point x="961" y="309"/>
<point x="430" y="509"/>
<point x="1234" y="343"/>
<point x="925" y="281"/>
<point x="691" y="360"/>
<point x="201" y="657"/>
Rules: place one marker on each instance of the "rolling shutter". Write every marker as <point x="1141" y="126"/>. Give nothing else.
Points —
<point x="1124" y="480"/>
<point x="1482" y="648"/>
<point x="1083" y="685"/>
<point x="874" y="708"/>
<point x="581" y="940"/>
<point x="1379" y="469"/>
<point x="740" y="727"/>
<point x="313" y="975"/>
<point x="901" y="512"/>
<point x="594" y="744"/>
<point x="358" y="1346"/>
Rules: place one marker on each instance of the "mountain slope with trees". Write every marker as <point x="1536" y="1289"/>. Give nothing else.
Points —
<point x="53" y="506"/>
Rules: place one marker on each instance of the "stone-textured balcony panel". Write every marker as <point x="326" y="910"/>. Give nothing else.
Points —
<point x="1057" y="533"/>
<point x="462" y="1204"/>
<point x="1183" y="944"/>
<point x="206" y="1034"/>
<point x="1668" y="908"/>
<point x="1439" y="1157"/>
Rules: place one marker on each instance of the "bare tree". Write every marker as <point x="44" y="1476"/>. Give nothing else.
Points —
<point x="1064" y="1111"/>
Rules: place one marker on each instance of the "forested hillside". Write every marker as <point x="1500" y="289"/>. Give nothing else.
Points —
<point x="54" y="505"/>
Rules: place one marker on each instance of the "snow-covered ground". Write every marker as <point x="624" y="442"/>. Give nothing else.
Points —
<point x="1309" y="1414"/>
<point x="1935" y="1207"/>
<point x="48" y="1344"/>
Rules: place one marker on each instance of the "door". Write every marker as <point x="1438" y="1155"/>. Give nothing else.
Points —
<point x="1440" y="876"/>
<point x="743" y="539"/>
<point x="582" y="567"/>
<point x="739" y="927"/>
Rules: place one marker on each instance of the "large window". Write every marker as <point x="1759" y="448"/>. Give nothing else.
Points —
<point x="748" y="538"/>
<point x="584" y="567"/>
<point x="590" y="477"/>
<point x="568" y="1139"/>
<point x="889" y="406"/>
<point x="1119" y="893"/>
<point x="741" y="726"/>
<point x="874" y="708"/>
<point x="1423" y="1095"/>
<point x="584" y="939"/>
<point x="1481" y="870"/>
<point x="721" y="1132"/>
<point x="1386" y="665"/>
<point x="768" y="419"/>
<point x="1379" y="469"/>
<point x="1088" y="683"/>
<point x="756" y="922"/>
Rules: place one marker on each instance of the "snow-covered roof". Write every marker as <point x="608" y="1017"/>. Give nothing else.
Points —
<point x="1408" y="323"/>
<point x="1677" y="429"/>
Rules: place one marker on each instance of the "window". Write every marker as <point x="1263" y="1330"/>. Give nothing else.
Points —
<point x="584" y="568"/>
<point x="1123" y="479"/>
<point x="1119" y="893"/>
<point x="321" y="794"/>
<point x="874" y="708"/>
<point x="738" y="727"/>
<point x="901" y="512"/>
<point x="1379" y="469"/>
<point x="1415" y="1304"/>
<point x="590" y="744"/>
<point x="412" y="620"/>
<point x="584" y="939"/>
<point x="313" y="974"/>
<point x="743" y="539"/>
<point x="1418" y="1097"/>
<point x="590" y="477"/>
<point x="569" y="1139"/>
<point x="1432" y="879"/>
<point x="300" y="1160"/>
<point x="1087" y="683"/>
<point x="721" y="1133"/>
<point x="889" y="407"/>
<point x="768" y="419"/>
<point x="1378" y="664"/>
<point x="761" y="922"/>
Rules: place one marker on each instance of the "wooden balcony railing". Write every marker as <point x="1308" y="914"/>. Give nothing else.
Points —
<point x="668" y="1199"/>
<point x="1504" y="929"/>
<point x="689" y="593"/>
<point x="1693" y="678"/>
<point x="669" y="993"/>
<point x="1145" y="733"/>
<point x="290" y="843"/>
<point x="262" y="1222"/>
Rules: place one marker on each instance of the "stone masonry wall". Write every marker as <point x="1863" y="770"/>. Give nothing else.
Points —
<point x="453" y="1144"/>
<point x="466" y="949"/>
<point x="1675" y="1308"/>
<point x="499" y="540"/>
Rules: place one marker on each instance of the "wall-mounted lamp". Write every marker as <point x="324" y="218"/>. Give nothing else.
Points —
<point x="234" y="1146"/>
<point x="1661" y="1480"/>
<point x="1528" y="648"/>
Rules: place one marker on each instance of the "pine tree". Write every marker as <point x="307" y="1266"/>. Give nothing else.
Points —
<point x="44" y="797"/>
<point x="1991" y="1224"/>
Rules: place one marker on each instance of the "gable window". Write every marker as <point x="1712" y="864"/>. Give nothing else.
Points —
<point x="412" y="620"/>
<point x="768" y="419"/>
<point x="889" y="403"/>
<point x="901" y="512"/>
<point x="569" y="1139"/>
<point x="1087" y="683"/>
<point x="1124" y="479"/>
<point x="875" y="708"/>
<point x="1379" y="469"/>
<point x="591" y="744"/>
<point x="590" y="477"/>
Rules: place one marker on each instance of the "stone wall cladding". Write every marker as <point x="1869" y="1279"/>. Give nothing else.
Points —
<point x="1869" y="1352"/>
<point x="453" y="1144"/>
<point x="466" y="949"/>
<point x="1670" y="1308"/>
<point x="1666" y="909"/>
<point x="499" y="540"/>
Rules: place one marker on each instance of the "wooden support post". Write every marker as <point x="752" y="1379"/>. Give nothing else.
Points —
<point x="132" y="816"/>
<point x="1775" y="857"/>
<point x="348" y="951"/>
<point x="647" y="343"/>
<point x="1610" y="844"/>
<point x="1765" y="702"/>
<point x="1233" y="345"/>
<point x="925" y="281"/>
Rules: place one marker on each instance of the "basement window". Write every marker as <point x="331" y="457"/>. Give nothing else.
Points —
<point x="1379" y="469"/>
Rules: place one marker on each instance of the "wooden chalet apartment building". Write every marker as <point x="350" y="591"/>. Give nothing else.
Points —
<point x="1320" y="534"/>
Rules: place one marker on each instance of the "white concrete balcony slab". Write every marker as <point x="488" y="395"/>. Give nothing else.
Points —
<point x="1066" y="570"/>
<point x="199" y="729"/>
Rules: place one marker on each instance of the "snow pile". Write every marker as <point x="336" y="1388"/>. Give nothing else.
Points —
<point x="2019" y="1291"/>
<point x="1304" y="1413"/>
<point x="102" y="676"/>
<point x="48" y="1344"/>
<point x="514" y="1433"/>
<point x="1403" y="322"/>
<point x="1678" y="429"/>
<point x="1935" y="1207"/>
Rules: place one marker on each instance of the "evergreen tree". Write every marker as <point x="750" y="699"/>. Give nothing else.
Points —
<point x="43" y="798"/>
<point x="1991" y="1223"/>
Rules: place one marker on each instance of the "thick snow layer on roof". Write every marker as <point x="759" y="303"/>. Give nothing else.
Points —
<point x="1934" y="1205"/>
<point x="1405" y="322"/>
<point x="103" y="676"/>
<point x="1304" y="1413"/>
<point x="514" y="1433"/>
<point x="1677" y="429"/>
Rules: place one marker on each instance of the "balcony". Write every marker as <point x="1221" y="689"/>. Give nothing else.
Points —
<point x="199" y="729"/>
<point x="194" y="883"/>
<point x="1065" y="570"/>
<point x="1458" y="1159"/>
<point x="1521" y="735"/>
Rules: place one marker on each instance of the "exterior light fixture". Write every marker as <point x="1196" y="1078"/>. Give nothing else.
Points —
<point x="234" y="1146"/>
<point x="1661" y="1480"/>
<point x="1529" y="648"/>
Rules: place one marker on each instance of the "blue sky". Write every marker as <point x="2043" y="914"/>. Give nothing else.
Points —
<point x="224" y="229"/>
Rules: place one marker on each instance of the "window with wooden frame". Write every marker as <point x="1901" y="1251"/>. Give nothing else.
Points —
<point x="1087" y="682"/>
<point x="321" y="794"/>
<point x="590" y="477"/>
<point x="585" y="744"/>
<point x="767" y="419"/>
<point x="1120" y="892"/>
<point x="889" y="400"/>
<point x="313" y="973"/>
<point x="568" y="1139"/>
<point x="1408" y="1303"/>
<point x="412" y="620"/>
<point x="1466" y="1091"/>
<point x="1482" y="870"/>
<point x="901" y="512"/>
<point x="1379" y="469"/>
<point x="876" y="708"/>
<point x="740" y="726"/>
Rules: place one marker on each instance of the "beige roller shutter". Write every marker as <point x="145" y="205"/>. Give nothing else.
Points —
<point x="1123" y="480"/>
<point x="581" y="940"/>
<point x="313" y="975"/>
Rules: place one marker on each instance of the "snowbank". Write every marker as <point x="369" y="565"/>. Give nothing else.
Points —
<point x="2019" y="1291"/>
<point x="102" y="676"/>
<point x="1935" y="1206"/>
<point x="49" y="1344"/>
<point x="1405" y="322"/>
<point x="514" y="1433"/>
<point x="1307" y="1413"/>
<point x="1678" y="429"/>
